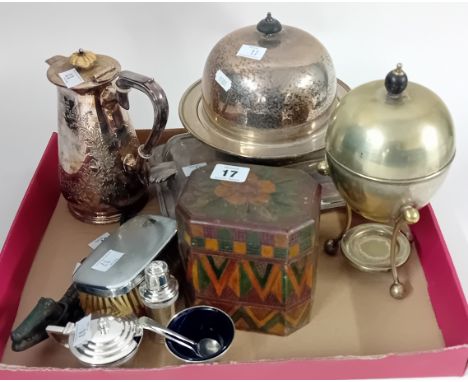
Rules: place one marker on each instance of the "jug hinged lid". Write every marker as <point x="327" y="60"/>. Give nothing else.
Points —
<point x="82" y="70"/>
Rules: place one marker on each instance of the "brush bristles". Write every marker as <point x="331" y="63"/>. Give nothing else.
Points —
<point x="124" y="305"/>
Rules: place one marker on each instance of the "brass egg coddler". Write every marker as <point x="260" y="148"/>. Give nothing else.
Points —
<point x="388" y="148"/>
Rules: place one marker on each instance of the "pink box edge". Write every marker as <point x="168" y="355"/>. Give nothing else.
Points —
<point x="437" y="363"/>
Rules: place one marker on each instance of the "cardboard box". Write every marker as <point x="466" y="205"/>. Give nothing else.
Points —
<point x="356" y="331"/>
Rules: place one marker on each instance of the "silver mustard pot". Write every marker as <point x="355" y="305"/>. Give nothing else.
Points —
<point x="112" y="340"/>
<point x="108" y="341"/>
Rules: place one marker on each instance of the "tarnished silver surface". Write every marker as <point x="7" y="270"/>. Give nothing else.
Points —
<point x="275" y="106"/>
<point x="292" y="85"/>
<point x="98" y="155"/>
<point x="141" y="239"/>
<point x="102" y="169"/>
<point x="249" y="142"/>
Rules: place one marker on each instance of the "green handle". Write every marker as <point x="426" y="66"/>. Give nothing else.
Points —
<point x="46" y="312"/>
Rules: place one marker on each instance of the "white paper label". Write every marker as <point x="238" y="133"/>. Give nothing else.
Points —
<point x="107" y="261"/>
<point x="223" y="80"/>
<point x="189" y="169"/>
<point x="82" y="331"/>
<point x="252" y="51"/>
<point x="230" y="173"/>
<point x="71" y="78"/>
<point x="95" y="243"/>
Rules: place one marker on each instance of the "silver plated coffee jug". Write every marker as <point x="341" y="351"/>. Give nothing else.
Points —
<point x="102" y="165"/>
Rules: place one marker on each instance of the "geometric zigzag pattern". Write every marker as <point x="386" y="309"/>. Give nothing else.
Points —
<point x="262" y="280"/>
<point x="241" y="242"/>
<point x="265" y="319"/>
<point x="256" y="282"/>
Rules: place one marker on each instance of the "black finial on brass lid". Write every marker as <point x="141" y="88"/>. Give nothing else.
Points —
<point x="396" y="81"/>
<point x="269" y="25"/>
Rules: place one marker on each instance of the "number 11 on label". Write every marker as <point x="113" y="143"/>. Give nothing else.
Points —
<point x="230" y="173"/>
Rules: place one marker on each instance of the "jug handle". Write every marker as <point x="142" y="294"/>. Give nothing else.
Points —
<point x="128" y="80"/>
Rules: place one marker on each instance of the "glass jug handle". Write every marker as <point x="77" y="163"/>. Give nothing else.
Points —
<point x="128" y="80"/>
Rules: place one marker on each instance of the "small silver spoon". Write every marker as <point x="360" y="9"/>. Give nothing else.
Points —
<point x="204" y="348"/>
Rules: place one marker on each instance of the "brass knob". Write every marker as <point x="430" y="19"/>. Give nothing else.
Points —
<point x="410" y="214"/>
<point x="83" y="59"/>
<point x="323" y="169"/>
<point x="129" y="162"/>
<point x="397" y="290"/>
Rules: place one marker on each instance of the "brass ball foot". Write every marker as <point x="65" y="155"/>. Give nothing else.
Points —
<point x="331" y="246"/>
<point x="397" y="290"/>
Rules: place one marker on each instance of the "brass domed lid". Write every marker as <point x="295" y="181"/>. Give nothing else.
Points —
<point x="391" y="130"/>
<point x="267" y="91"/>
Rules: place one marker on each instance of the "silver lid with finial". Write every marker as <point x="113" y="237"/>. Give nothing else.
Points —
<point x="267" y="92"/>
<point x="110" y="341"/>
<point x="159" y="289"/>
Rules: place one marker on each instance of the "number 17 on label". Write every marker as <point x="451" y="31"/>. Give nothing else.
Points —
<point x="230" y="173"/>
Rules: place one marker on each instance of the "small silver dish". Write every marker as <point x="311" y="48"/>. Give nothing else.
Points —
<point x="367" y="247"/>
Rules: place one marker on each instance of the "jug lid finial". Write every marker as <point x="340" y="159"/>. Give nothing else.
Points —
<point x="83" y="59"/>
